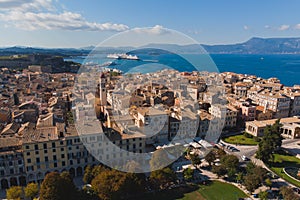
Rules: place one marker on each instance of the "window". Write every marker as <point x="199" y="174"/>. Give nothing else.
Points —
<point x="62" y="149"/>
<point x="37" y="152"/>
<point x="63" y="163"/>
<point x="53" y="145"/>
<point x="36" y="147"/>
<point x="46" y="159"/>
<point x="62" y="155"/>
<point x="29" y="168"/>
<point x="11" y="171"/>
<point x="45" y="145"/>
<point x="69" y="142"/>
<point x="55" y="164"/>
<point x="28" y="153"/>
<point x="27" y="147"/>
<point x="54" y="158"/>
<point x="53" y="150"/>
<point x="45" y="151"/>
<point x="61" y="142"/>
<point x="28" y="160"/>
<point x="38" y="160"/>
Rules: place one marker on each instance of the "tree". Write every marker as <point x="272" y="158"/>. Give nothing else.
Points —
<point x="251" y="182"/>
<point x="231" y="173"/>
<point x="271" y="141"/>
<point x="210" y="158"/>
<point x="195" y="159"/>
<point x="288" y="193"/>
<point x="88" y="175"/>
<point x="188" y="174"/>
<point x="220" y="153"/>
<point x="112" y="184"/>
<point x="230" y="162"/>
<point x="161" y="178"/>
<point x="219" y="170"/>
<point x="58" y="186"/>
<point x="91" y="172"/>
<point x="31" y="190"/>
<point x="249" y="167"/>
<point x="260" y="173"/>
<point x="268" y="183"/>
<point x="263" y="195"/>
<point x="14" y="192"/>
<point x="68" y="186"/>
<point x="255" y="176"/>
<point x="239" y="177"/>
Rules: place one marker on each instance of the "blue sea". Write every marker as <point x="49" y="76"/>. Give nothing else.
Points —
<point x="284" y="67"/>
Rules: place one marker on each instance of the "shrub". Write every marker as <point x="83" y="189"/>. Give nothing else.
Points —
<point x="248" y="135"/>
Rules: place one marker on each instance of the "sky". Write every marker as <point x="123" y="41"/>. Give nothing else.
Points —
<point x="81" y="23"/>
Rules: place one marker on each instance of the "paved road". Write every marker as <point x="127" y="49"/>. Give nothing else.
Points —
<point x="292" y="145"/>
<point x="249" y="151"/>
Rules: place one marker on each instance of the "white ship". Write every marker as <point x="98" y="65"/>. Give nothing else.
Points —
<point x="123" y="56"/>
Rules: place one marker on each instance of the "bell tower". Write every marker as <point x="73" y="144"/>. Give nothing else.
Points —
<point x="102" y="90"/>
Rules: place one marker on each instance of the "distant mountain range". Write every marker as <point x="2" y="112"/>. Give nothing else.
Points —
<point x="253" y="46"/>
<point x="258" y="46"/>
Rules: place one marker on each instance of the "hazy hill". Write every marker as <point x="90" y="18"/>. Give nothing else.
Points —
<point x="253" y="46"/>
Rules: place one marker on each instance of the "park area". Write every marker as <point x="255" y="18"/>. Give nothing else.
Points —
<point x="241" y="140"/>
<point x="283" y="160"/>
<point x="214" y="190"/>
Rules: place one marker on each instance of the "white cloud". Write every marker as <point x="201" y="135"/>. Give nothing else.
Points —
<point x="155" y="30"/>
<point x="42" y="14"/>
<point x="246" y="27"/>
<point x="26" y="5"/>
<point x="297" y="26"/>
<point x="284" y="27"/>
<point x="267" y="27"/>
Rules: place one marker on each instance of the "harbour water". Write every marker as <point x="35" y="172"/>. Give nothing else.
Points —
<point x="285" y="67"/>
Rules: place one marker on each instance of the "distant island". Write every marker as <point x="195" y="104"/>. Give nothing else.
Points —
<point x="253" y="46"/>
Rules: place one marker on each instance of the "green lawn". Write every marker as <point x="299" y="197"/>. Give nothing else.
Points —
<point x="216" y="191"/>
<point x="241" y="140"/>
<point x="281" y="161"/>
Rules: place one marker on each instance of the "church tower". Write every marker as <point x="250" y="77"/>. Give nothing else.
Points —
<point x="102" y="90"/>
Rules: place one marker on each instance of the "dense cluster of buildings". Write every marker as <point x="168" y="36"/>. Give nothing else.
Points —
<point x="118" y="117"/>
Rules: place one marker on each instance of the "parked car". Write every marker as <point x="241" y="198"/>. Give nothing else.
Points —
<point x="229" y="147"/>
<point x="235" y="149"/>
<point x="255" y="195"/>
<point x="221" y="144"/>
